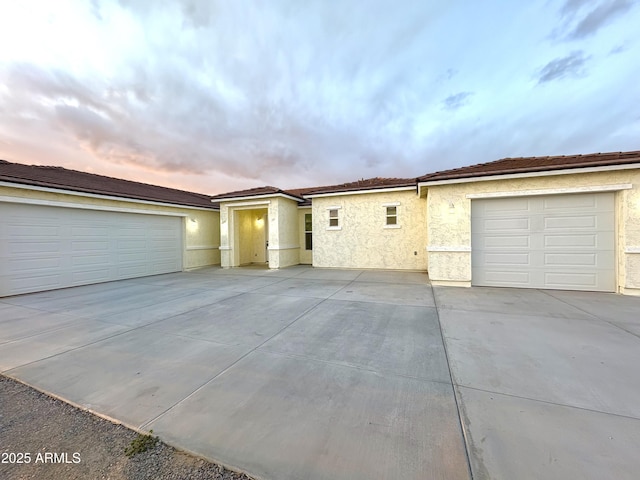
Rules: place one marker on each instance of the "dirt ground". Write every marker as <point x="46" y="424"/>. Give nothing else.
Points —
<point x="55" y="440"/>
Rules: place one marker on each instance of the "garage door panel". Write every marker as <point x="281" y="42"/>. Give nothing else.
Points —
<point x="80" y="277"/>
<point x="569" y="202"/>
<point x="134" y="270"/>
<point x="576" y="281"/>
<point x="570" y="259"/>
<point x="505" y="241"/>
<point x="504" y="205"/>
<point x="45" y="247"/>
<point x="506" y="224"/>
<point x="571" y="241"/>
<point x="506" y="259"/>
<point x="90" y="260"/>
<point x="507" y="277"/>
<point x="42" y="282"/>
<point x="91" y="232"/>
<point x="89" y="246"/>
<point x="587" y="222"/>
<point x="32" y="248"/>
<point x="568" y="241"/>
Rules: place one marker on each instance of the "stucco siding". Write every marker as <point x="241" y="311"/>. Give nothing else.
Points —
<point x="363" y="240"/>
<point x="201" y="227"/>
<point x="284" y="246"/>
<point x="449" y="220"/>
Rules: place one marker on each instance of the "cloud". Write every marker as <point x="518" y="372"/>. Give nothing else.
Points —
<point x="570" y="66"/>
<point x="599" y="17"/>
<point x="459" y="100"/>
<point x="581" y="22"/>
<point x="618" y="49"/>
<point x="299" y="88"/>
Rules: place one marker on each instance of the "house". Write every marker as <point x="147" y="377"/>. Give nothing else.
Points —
<point x="62" y="228"/>
<point x="563" y="222"/>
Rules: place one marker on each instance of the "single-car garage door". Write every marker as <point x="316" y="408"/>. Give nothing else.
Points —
<point x="551" y="241"/>
<point x="45" y="247"/>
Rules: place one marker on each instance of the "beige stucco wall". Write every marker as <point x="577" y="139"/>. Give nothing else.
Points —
<point x="250" y="232"/>
<point x="239" y="232"/>
<point x="449" y="228"/>
<point x="284" y="246"/>
<point x="201" y="227"/>
<point x="363" y="241"/>
<point x="306" y="256"/>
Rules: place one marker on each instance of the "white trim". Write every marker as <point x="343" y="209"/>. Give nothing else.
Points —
<point x="359" y="192"/>
<point x="451" y="283"/>
<point x="545" y="173"/>
<point x="204" y="247"/>
<point x="83" y="206"/>
<point x="304" y="206"/>
<point x="225" y="247"/>
<point x="391" y="204"/>
<point x="250" y="197"/>
<point x="439" y="248"/>
<point x="286" y="247"/>
<point x="334" y="228"/>
<point x="553" y="191"/>
<point x="248" y="204"/>
<point x="96" y="195"/>
<point x="392" y="226"/>
<point x="632" y="250"/>
<point x="337" y="207"/>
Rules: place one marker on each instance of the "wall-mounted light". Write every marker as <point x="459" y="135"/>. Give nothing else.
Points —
<point x="192" y="225"/>
<point x="259" y="222"/>
<point x="452" y="206"/>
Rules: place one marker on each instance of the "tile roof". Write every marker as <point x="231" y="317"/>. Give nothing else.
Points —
<point x="254" y="192"/>
<point x="65" y="179"/>
<point x="535" y="164"/>
<point x="363" y="184"/>
<point x="300" y="193"/>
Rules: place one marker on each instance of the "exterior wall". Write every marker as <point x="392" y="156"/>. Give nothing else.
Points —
<point x="306" y="256"/>
<point x="284" y="246"/>
<point x="201" y="227"/>
<point x="449" y="222"/>
<point x="363" y="241"/>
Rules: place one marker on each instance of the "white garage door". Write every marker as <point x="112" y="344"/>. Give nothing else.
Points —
<point x="43" y="247"/>
<point x="556" y="241"/>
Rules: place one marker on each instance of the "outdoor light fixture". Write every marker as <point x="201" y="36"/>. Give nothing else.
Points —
<point x="192" y="225"/>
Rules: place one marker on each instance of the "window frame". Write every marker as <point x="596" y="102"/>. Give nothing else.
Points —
<point x="334" y="221"/>
<point x="395" y="216"/>
<point x="308" y="234"/>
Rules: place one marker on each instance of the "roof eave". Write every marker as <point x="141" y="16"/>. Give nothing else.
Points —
<point x="361" y="191"/>
<point x="54" y="188"/>
<point x="529" y="173"/>
<point x="257" y="197"/>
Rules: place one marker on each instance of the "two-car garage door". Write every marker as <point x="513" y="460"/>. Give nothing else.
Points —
<point x="550" y="241"/>
<point x="46" y="247"/>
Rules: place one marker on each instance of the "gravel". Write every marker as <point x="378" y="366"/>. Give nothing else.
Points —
<point x="52" y="431"/>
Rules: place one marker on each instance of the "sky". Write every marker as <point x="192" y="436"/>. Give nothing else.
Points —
<point x="219" y="95"/>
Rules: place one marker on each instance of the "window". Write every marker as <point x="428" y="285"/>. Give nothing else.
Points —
<point x="333" y="218"/>
<point x="308" y="227"/>
<point x="392" y="215"/>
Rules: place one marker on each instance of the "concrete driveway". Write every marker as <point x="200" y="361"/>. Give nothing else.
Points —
<point x="343" y="374"/>
<point x="548" y="381"/>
